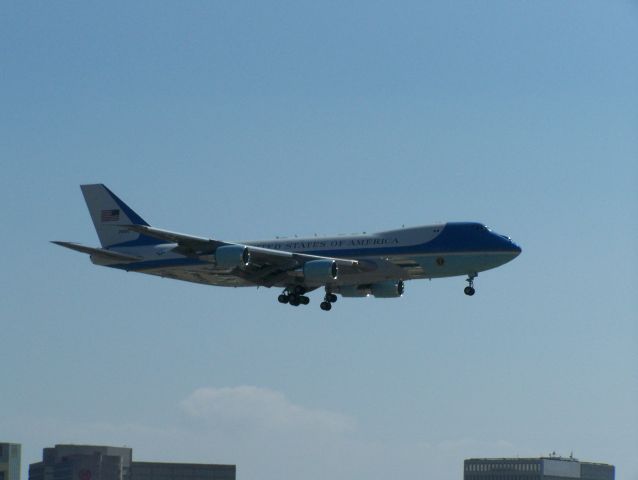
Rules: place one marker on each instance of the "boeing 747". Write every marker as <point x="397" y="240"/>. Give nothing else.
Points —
<point x="374" y="264"/>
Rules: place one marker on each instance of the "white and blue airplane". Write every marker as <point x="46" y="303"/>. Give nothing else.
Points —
<point x="374" y="264"/>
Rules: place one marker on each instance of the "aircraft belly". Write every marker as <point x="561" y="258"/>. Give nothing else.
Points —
<point x="202" y="275"/>
<point x="453" y="264"/>
<point x="361" y="278"/>
<point x="395" y="267"/>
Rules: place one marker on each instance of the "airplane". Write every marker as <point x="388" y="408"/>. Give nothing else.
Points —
<point x="374" y="264"/>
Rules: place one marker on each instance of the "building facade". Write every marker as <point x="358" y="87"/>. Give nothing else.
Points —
<point x="10" y="457"/>
<point x="543" y="468"/>
<point x="88" y="462"/>
<point x="83" y="462"/>
<point x="182" y="471"/>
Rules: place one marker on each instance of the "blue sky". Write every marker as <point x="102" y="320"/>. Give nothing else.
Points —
<point x="241" y="120"/>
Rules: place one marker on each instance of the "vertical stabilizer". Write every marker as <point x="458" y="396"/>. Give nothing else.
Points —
<point x="108" y="213"/>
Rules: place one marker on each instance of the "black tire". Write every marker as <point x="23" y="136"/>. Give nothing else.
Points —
<point x="304" y="300"/>
<point x="294" y="301"/>
<point x="469" y="291"/>
<point x="332" y="298"/>
<point x="326" y="306"/>
<point x="283" y="298"/>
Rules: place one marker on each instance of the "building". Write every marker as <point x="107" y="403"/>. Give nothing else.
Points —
<point x="543" y="468"/>
<point x="182" y="471"/>
<point x="83" y="462"/>
<point x="10" y="457"/>
<point x="88" y="462"/>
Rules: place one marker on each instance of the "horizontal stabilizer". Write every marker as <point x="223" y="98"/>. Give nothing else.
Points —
<point x="100" y="252"/>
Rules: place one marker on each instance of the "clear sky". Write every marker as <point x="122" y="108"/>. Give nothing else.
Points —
<point x="247" y="120"/>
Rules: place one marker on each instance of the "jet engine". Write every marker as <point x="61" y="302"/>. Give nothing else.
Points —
<point x="389" y="289"/>
<point x="232" y="256"/>
<point x="354" y="291"/>
<point x="320" y="271"/>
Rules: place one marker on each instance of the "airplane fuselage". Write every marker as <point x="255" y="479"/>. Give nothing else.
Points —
<point x="431" y="251"/>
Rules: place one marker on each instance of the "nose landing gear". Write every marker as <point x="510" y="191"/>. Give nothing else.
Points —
<point x="469" y="290"/>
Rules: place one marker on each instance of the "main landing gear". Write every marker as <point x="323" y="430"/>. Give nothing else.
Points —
<point x="294" y="296"/>
<point x="328" y="300"/>
<point x="469" y="290"/>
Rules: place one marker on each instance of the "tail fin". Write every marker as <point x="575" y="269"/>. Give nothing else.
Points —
<point x="108" y="212"/>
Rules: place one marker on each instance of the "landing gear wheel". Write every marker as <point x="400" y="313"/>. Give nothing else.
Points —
<point x="469" y="290"/>
<point x="326" y="306"/>
<point x="283" y="298"/>
<point x="329" y="297"/>
<point x="294" y="296"/>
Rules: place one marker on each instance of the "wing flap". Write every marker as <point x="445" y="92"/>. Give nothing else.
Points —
<point x="271" y="255"/>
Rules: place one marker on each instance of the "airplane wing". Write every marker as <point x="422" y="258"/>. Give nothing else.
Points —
<point x="267" y="266"/>
<point x="186" y="244"/>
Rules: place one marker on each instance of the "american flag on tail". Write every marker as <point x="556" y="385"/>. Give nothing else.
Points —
<point x="110" y="215"/>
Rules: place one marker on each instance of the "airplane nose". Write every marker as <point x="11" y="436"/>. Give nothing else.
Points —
<point x="509" y="245"/>
<point x="516" y="248"/>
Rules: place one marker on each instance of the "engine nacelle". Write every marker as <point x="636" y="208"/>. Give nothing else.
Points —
<point x="389" y="289"/>
<point x="232" y="256"/>
<point x="320" y="271"/>
<point x="354" y="291"/>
